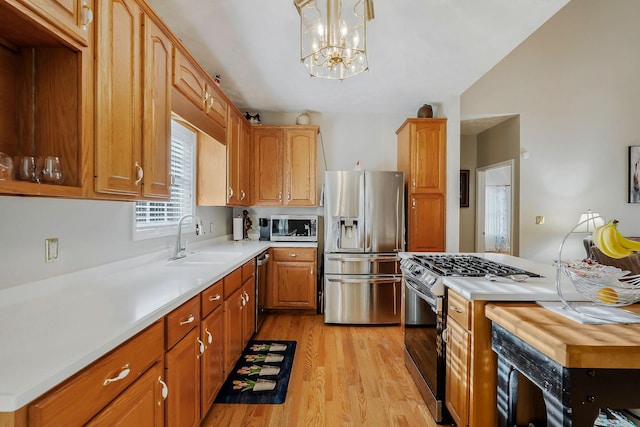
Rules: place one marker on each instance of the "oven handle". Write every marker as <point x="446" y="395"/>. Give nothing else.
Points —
<point x="431" y="301"/>
<point x="366" y="279"/>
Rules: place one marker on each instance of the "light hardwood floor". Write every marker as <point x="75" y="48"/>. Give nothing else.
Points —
<point x="341" y="376"/>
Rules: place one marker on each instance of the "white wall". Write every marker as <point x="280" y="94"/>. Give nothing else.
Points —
<point x="574" y="83"/>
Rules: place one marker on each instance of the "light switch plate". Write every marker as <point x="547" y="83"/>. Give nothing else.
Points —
<point x="539" y="220"/>
<point x="51" y="249"/>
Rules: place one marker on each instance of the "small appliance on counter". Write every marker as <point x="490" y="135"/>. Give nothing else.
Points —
<point x="264" y="224"/>
<point x="288" y="228"/>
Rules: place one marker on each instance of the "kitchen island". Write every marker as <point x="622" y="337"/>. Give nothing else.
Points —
<point x="580" y="368"/>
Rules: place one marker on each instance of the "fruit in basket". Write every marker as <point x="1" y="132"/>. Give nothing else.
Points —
<point x="612" y="243"/>
<point x="607" y="295"/>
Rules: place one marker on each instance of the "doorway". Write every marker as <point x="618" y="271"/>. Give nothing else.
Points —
<point x="494" y="209"/>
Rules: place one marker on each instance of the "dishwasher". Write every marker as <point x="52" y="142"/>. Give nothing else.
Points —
<point x="261" y="287"/>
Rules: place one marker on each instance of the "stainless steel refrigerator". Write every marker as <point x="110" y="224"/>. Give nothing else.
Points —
<point x="364" y="231"/>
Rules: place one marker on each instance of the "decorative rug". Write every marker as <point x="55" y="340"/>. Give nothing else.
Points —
<point x="261" y="375"/>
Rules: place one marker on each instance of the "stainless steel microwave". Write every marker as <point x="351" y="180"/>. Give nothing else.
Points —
<point x="287" y="228"/>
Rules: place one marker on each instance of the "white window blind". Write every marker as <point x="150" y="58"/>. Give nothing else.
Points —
<point x="154" y="219"/>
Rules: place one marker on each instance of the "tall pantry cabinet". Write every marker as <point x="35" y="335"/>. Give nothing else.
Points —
<point x="422" y="157"/>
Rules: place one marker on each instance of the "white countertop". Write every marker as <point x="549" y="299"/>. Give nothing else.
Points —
<point x="533" y="289"/>
<point x="51" y="329"/>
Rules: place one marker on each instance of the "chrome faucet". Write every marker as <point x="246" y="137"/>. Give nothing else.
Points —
<point x="178" y="250"/>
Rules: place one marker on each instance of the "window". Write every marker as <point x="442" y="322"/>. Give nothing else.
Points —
<point x="155" y="219"/>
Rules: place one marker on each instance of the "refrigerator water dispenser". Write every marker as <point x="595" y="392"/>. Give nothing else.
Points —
<point x="349" y="233"/>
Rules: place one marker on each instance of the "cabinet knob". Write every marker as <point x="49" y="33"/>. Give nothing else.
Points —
<point x="445" y="335"/>
<point x="87" y="16"/>
<point x="165" y="389"/>
<point x="140" y="173"/>
<point x="122" y="375"/>
<point x="190" y="319"/>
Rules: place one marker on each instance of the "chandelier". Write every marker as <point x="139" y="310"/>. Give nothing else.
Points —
<point x="333" y="36"/>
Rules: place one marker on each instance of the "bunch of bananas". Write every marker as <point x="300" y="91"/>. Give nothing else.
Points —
<point x="612" y="243"/>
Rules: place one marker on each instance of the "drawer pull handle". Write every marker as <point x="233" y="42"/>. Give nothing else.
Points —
<point x="122" y="375"/>
<point x="189" y="320"/>
<point x="140" y="174"/>
<point x="246" y="295"/>
<point x="200" y="346"/>
<point x="445" y="335"/>
<point x="209" y="336"/>
<point x="215" y="298"/>
<point x="293" y="255"/>
<point x="454" y="308"/>
<point x="87" y="16"/>
<point x="165" y="389"/>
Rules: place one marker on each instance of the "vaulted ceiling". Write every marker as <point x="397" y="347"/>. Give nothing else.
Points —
<point x="419" y="51"/>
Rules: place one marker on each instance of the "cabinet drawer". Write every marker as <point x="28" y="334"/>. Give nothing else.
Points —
<point x="232" y="282"/>
<point x="294" y="254"/>
<point x="181" y="320"/>
<point x="211" y="298"/>
<point x="458" y="309"/>
<point x="248" y="270"/>
<point x="84" y="395"/>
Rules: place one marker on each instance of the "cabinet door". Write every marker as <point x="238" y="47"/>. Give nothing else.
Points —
<point x="300" y="167"/>
<point x="70" y="16"/>
<point x="428" y="159"/>
<point x="188" y="80"/>
<point x="268" y="157"/>
<point x="233" y="334"/>
<point x="293" y="285"/>
<point x="426" y="222"/>
<point x="212" y="360"/>
<point x="182" y="364"/>
<point x="234" y="139"/>
<point x="245" y="164"/>
<point x="118" y="138"/>
<point x="215" y="104"/>
<point x="249" y="310"/>
<point x="156" y="135"/>
<point x="211" y="171"/>
<point x="142" y="404"/>
<point x="457" y="379"/>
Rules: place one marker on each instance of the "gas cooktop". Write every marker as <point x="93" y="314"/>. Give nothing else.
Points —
<point x="465" y="265"/>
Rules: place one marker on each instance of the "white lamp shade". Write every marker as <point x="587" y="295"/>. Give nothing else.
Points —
<point x="589" y="221"/>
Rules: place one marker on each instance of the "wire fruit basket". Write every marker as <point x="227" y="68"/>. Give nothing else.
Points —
<point x="604" y="285"/>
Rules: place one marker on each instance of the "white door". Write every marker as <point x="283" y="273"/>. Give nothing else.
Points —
<point x="494" y="208"/>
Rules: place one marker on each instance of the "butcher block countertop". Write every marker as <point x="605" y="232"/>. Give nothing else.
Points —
<point x="571" y="344"/>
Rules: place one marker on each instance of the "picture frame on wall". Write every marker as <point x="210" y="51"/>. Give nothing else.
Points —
<point x="634" y="174"/>
<point x="464" y="188"/>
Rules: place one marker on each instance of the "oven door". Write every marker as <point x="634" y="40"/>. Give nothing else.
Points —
<point x="423" y="342"/>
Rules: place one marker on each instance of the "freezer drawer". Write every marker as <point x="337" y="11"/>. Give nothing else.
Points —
<point x="387" y="263"/>
<point x="362" y="299"/>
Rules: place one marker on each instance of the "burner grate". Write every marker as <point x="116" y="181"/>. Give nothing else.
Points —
<point x="466" y="265"/>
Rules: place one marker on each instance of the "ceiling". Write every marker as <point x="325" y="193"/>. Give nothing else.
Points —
<point x="419" y="51"/>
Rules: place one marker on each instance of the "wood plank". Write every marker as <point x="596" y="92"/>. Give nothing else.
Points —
<point x="342" y="375"/>
<point x="569" y="343"/>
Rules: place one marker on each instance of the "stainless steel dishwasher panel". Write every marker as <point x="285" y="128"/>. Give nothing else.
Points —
<point x="261" y="287"/>
<point x="362" y="299"/>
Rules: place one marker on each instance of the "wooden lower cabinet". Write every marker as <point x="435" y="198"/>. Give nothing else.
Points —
<point x="292" y="282"/>
<point x="471" y="364"/>
<point x="212" y="360"/>
<point x="142" y="404"/>
<point x="182" y="368"/>
<point x="426" y="222"/>
<point x="80" y="398"/>
<point x="233" y="334"/>
<point x="249" y="310"/>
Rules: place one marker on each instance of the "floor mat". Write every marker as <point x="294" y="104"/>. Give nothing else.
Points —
<point x="261" y="375"/>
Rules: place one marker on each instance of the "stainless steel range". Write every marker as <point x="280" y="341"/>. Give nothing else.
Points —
<point x="425" y="317"/>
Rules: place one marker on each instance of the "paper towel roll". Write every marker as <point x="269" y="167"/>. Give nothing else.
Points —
<point x="238" y="224"/>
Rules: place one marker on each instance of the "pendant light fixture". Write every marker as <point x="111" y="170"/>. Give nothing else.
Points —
<point x="333" y="36"/>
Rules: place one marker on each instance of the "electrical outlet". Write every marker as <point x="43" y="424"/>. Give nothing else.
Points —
<point x="51" y="249"/>
<point x="539" y="220"/>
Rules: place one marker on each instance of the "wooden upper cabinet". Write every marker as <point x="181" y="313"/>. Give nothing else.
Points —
<point x="285" y="165"/>
<point x="238" y="160"/>
<point x="73" y="17"/>
<point x="215" y="106"/>
<point x="268" y="160"/>
<point x="156" y="132"/>
<point x="424" y="144"/>
<point x="188" y="79"/>
<point x="300" y="166"/>
<point x="118" y="101"/>
<point x="211" y="170"/>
